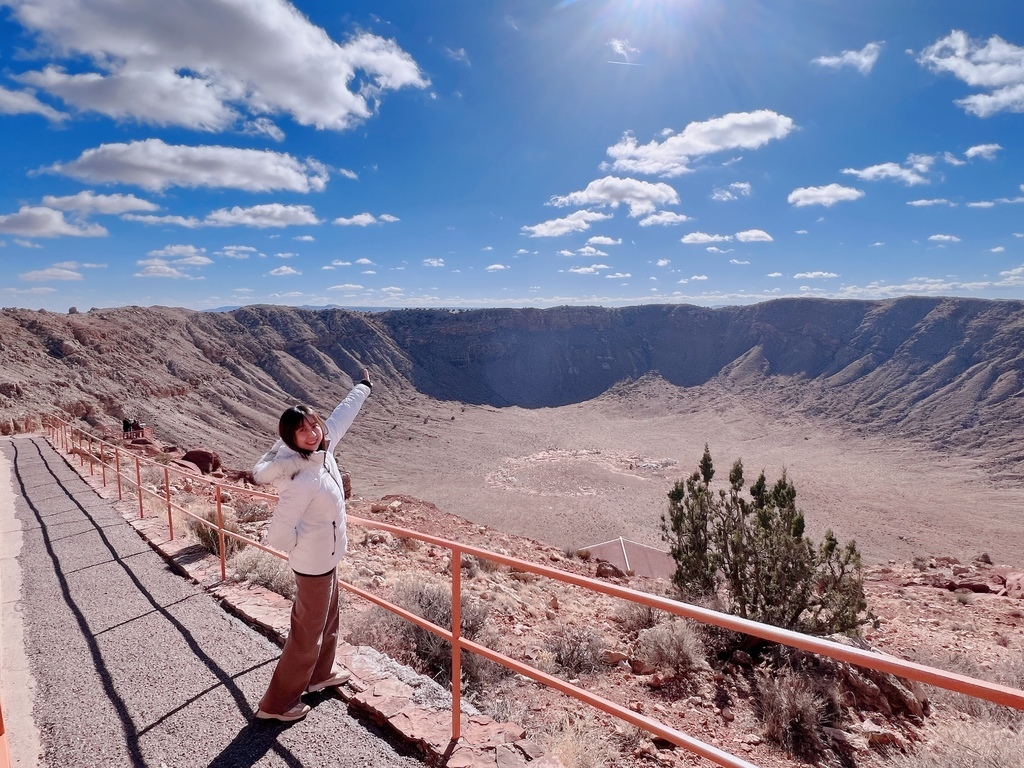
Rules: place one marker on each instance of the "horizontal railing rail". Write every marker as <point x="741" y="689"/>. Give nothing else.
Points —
<point x="64" y="434"/>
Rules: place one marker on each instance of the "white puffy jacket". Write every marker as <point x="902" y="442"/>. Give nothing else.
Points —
<point x="309" y="520"/>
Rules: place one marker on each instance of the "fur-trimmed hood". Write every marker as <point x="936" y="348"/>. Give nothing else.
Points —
<point x="281" y="461"/>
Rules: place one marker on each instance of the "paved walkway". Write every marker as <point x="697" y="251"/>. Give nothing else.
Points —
<point x="110" y="658"/>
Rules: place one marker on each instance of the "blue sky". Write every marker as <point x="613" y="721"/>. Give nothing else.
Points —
<point x="206" y="153"/>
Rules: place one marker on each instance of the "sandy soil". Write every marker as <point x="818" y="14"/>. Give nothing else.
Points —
<point x="583" y="474"/>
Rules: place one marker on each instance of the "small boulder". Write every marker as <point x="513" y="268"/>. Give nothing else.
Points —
<point x="207" y="461"/>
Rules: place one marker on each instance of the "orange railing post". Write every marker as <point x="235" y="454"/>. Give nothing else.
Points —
<point x="138" y="487"/>
<point x="456" y="643"/>
<point x="117" y="469"/>
<point x="220" y="534"/>
<point x="167" y="495"/>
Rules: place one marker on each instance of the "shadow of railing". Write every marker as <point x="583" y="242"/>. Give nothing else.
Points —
<point x="72" y="439"/>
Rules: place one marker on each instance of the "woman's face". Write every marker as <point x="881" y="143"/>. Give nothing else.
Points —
<point x="309" y="435"/>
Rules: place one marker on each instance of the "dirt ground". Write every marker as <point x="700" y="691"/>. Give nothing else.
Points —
<point x="583" y="474"/>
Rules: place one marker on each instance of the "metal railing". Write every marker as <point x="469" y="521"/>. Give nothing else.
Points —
<point x="65" y="435"/>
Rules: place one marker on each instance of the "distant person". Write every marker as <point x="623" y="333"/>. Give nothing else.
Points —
<point x="126" y="425"/>
<point x="136" y="427"/>
<point x="309" y="524"/>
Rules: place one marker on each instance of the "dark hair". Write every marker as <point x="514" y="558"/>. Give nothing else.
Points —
<point x="290" y="422"/>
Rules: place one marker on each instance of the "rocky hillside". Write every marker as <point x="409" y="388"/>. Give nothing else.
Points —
<point x="948" y="372"/>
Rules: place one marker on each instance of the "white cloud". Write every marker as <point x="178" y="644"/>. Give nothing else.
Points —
<point x="52" y="273"/>
<point x="154" y="165"/>
<point x="663" y="218"/>
<point x="26" y="243"/>
<point x="178" y="251"/>
<point x="696" y="238"/>
<point x="26" y="103"/>
<point x="346" y="287"/>
<point x="269" y="215"/>
<point x="496" y="268"/>
<point x="89" y="202"/>
<point x="753" y="236"/>
<point x="574" y="222"/>
<point x="734" y="189"/>
<point x="40" y="221"/>
<point x="387" y="218"/>
<point x="642" y="197"/>
<point x="304" y="238"/>
<point x="814" y="275"/>
<point x="996" y="67"/>
<point x="364" y="262"/>
<point x="173" y="64"/>
<point x="982" y="204"/>
<point x="236" y="251"/>
<point x="591" y="270"/>
<point x="698" y="277"/>
<point x="603" y="240"/>
<point x="457" y="54"/>
<point x="827" y="196"/>
<point x="663" y="262"/>
<point x="433" y="262"/>
<point x="160" y="268"/>
<point x="589" y="250"/>
<point x="738" y="262"/>
<point x="934" y="201"/>
<point x="716" y="249"/>
<point x="862" y="60"/>
<point x="984" y="151"/>
<point x="261" y="216"/>
<point x="952" y="159"/>
<point x="908" y="176"/>
<point x="622" y="48"/>
<point x="801" y="231"/>
<point x="279" y="271"/>
<point x="944" y="239"/>
<point x="673" y="156"/>
<point x="774" y="274"/>
<point x="359" y="220"/>
<point x="619" y="275"/>
<point x="998" y="249"/>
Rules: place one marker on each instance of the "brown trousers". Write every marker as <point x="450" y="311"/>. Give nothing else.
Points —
<point x="308" y="655"/>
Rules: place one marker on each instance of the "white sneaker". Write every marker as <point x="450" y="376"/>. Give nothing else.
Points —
<point x="338" y="677"/>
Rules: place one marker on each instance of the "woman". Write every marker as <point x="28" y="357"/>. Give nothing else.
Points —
<point x="309" y="524"/>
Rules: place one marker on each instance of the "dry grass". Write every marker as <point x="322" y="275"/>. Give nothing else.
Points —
<point x="791" y="710"/>
<point x="575" y="649"/>
<point x="579" y="743"/>
<point x="259" y="567"/>
<point x="673" y="644"/>
<point x="968" y="745"/>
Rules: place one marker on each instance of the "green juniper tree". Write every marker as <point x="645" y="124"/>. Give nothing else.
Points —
<point x="749" y="550"/>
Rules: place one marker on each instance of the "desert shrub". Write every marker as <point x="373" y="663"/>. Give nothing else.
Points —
<point x="207" y="535"/>
<point x="578" y="743"/>
<point x="575" y="649"/>
<point x="250" y="510"/>
<point x="636" y="617"/>
<point x="791" y="711"/>
<point x="423" y="649"/>
<point x="750" y="550"/>
<point x="385" y="631"/>
<point x="1009" y="673"/>
<point x="672" y="644"/>
<point x="259" y="567"/>
<point x="966" y="745"/>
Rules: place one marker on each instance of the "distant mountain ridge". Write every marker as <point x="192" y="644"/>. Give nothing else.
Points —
<point x="949" y="372"/>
